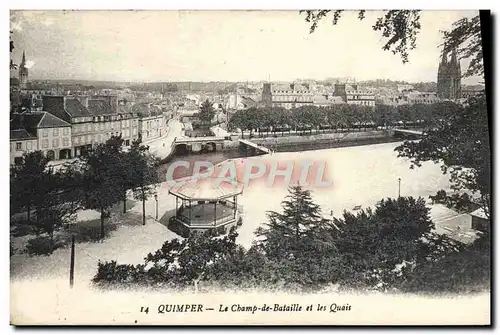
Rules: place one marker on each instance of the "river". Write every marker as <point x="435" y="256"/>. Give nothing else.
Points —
<point x="220" y="156"/>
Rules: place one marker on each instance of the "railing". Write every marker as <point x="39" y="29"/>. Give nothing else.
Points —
<point x="204" y="222"/>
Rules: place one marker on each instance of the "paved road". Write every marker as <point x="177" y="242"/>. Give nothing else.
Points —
<point x="162" y="146"/>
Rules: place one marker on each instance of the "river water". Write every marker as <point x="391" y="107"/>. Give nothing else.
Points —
<point x="220" y="156"/>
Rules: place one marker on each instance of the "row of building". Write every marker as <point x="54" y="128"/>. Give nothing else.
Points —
<point x="297" y="95"/>
<point x="68" y="126"/>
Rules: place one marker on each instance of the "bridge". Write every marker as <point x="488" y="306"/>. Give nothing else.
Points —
<point x="197" y="144"/>
<point x="408" y="131"/>
<point x="204" y="139"/>
<point x="254" y="146"/>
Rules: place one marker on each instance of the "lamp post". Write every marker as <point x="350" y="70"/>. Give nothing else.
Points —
<point x="399" y="188"/>
<point x="156" y="199"/>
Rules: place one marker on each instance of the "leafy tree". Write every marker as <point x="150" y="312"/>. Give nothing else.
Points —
<point x="11" y="47"/>
<point x="36" y="186"/>
<point x="206" y="112"/>
<point x="28" y="186"/>
<point x="289" y="232"/>
<point x="142" y="173"/>
<point x="372" y="243"/>
<point x="191" y="260"/>
<point x="464" y="270"/>
<point x="123" y="172"/>
<point x="400" y="29"/>
<point x="100" y="183"/>
<point x="460" y="143"/>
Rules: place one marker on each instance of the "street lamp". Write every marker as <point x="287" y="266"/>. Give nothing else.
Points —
<point x="399" y="188"/>
<point x="156" y="199"/>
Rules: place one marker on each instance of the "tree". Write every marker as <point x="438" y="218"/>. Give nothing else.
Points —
<point x="400" y="29"/>
<point x="287" y="232"/>
<point x="100" y="183"/>
<point x="36" y="186"/>
<point x="206" y="112"/>
<point x="460" y="143"/>
<point x="143" y="175"/>
<point x="372" y="243"/>
<point x="28" y="186"/>
<point x="11" y="47"/>
<point x="123" y="172"/>
<point x="191" y="260"/>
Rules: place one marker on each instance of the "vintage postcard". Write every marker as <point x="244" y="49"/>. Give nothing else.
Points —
<point x="315" y="167"/>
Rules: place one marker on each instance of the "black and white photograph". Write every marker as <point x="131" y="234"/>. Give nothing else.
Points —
<point x="250" y="167"/>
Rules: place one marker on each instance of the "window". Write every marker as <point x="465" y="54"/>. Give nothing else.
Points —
<point x="66" y="131"/>
<point x="28" y="145"/>
<point x="66" y="142"/>
<point x="101" y="126"/>
<point x="55" y="142"/>
<point x="19" y="146"/>
<point x="55" y="132"/>
<point x="99" y="138"/>
<point x="45" y="133"/>
<point x="45" y="144"/>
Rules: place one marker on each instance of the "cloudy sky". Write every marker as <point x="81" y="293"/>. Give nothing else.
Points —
<point x="218" y="46"/>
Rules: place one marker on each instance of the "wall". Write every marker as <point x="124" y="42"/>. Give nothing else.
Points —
<point x="54" y="139"/>
<point x="26" y="146"/>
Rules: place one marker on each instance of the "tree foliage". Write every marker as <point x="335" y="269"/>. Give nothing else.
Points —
<point x="36" y="187"/>
<point x="400" y="29"/>
<point x="142" y="175"/>
<point x="460" y="143"/>
<point x="101" y="184"/>
<point x="207" y="112"/>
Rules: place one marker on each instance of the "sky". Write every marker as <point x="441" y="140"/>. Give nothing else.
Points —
<point x="219" y="46"/>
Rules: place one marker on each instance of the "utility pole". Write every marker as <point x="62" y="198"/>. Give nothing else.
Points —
<point x="72" y="262"/>
<point x="399" y="188"/>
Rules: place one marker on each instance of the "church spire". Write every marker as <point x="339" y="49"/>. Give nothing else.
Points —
<point x="23" y="62"/>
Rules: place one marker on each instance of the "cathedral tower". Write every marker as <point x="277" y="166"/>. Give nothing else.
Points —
<point x="449" y="77"/>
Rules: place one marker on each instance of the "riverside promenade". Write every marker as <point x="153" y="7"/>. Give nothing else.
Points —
<point x="162" y="147"/>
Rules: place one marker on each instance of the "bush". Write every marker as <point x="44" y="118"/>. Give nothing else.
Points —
<point x="42" y="245"/>
<point x="22" y="228"/>
<point x="113" y="273"/>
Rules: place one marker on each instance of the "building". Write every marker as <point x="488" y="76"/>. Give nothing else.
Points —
<point x="94" y="119"/>
<point x="287" y="96"/>
<point x="449" y="77"/>
<point x="480" y="221"/>
<point x="73" y="112"/>
<point x="326" y="100"/>
<point x="468" y="92"/>
<point x="152" y="126"/>
<point x="267" y="95"/>
<point x="240" y="102"/>
<point x="409" y="98"/>
<point x="23" y="74"/>
<point x="405" y="88"/>
<point x="51" y="134"/>
<point x="208" y="205"/>
<point x="353" y="95"/>
<point x="21" y="142"/>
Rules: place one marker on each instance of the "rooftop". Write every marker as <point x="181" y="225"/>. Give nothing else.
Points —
<point x="206" y="189"/>
<point x="21" y="134"/>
